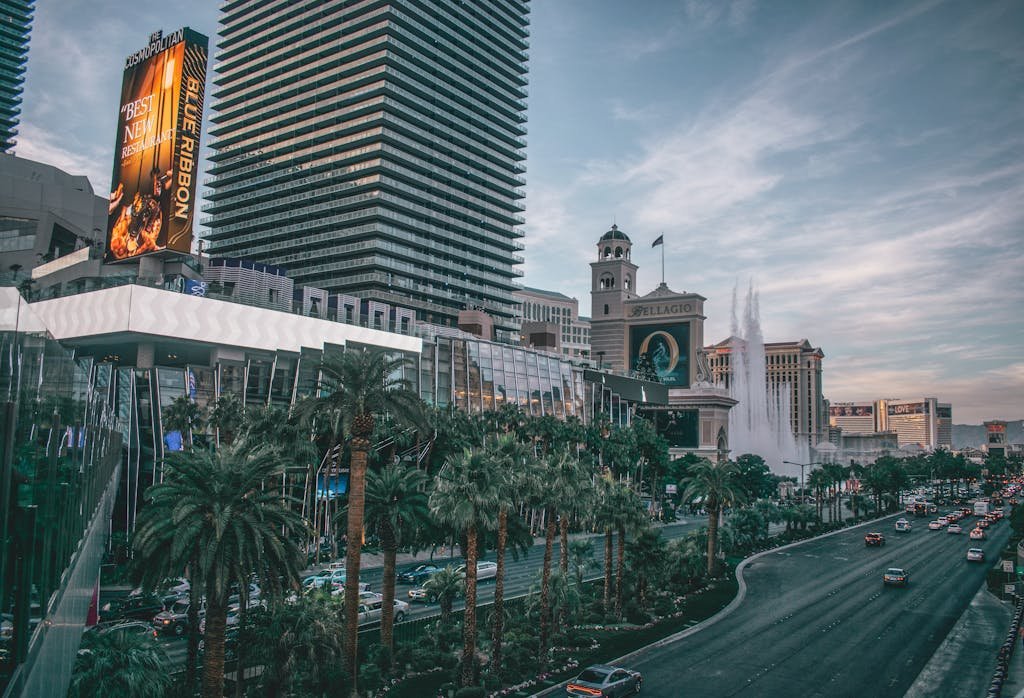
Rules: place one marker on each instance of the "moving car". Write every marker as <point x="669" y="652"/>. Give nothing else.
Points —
<point x="484" y="570"/>
<point x="874" y="539"/>
<point x="339" y="577"/>
<point x="954" y="528"/>
<point x="903" y="525"/>
<point x="174" y="620"/>
<point x="977" y="534"/>
<point x="417" y="574"/>
<point x="935" y="526"/>
<point x="606" y="681"/>
<point x="975" y="555"/>
<point x="370" y="612"/>
<point x="896" y="576"/>
<point x="142" y="607"/>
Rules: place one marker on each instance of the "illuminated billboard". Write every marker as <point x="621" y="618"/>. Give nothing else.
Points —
<point x="907" y="408"/>
<point x="153" y="187"/>
<point x="667" y="347"/>
<point x="850" y="410"/>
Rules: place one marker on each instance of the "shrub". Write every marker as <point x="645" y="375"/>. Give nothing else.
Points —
<point x="471" y="692"/>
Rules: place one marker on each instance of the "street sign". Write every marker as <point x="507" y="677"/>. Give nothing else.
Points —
<point x="1009" y="588"/>
<point x="671" y="489"/>
<point x="1008" y="566"/>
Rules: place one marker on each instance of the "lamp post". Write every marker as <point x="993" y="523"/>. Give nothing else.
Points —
<point x="802" y="466"/>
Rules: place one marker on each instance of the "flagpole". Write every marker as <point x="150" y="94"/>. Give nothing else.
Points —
<point x="663" y="260"/>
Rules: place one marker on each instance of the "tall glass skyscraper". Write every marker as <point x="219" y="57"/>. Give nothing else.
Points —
<point x="374" y="148"/>
<point x="15" y="26"/>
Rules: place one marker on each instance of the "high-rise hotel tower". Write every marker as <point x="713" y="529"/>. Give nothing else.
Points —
<point x="15" y="28"/>
<point x="374" y="148"/>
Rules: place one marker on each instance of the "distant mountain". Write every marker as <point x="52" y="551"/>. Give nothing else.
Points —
<point x="974" y="434"/>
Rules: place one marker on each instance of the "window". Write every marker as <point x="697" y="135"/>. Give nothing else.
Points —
<point x="605" y="308"/>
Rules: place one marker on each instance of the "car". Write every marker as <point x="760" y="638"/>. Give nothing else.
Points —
<point x="138" y="628"/>
<point x="174" y="620"/>
<point x="604" y="680"/>
<point x="943" y="520"/>
<point x="934" y="525"/>
<point x="983" y="523"/>
<point x="370" y="611"/>
<point x="417" y="574"/>
<point x="977" y="534"/>
<point x="317" y="579"/>
<point x="975" y="555"/>
<point x="874" y="539"/>
<point x="141" y="607"/>
<point x="954" y="528"/>
<point x="895" y="576"/>
<point x="484" y="570"/>
<point x="421" y="594"/>
<point x="339" y="576"/>
<point x="903" y="525"/>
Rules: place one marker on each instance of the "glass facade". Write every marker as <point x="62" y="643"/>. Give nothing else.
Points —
<point x="15" y="28"/>
<point x="374" y="148"/>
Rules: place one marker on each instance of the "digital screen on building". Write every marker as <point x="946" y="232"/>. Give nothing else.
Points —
<point x="668" y="349"/>
<point x="851" y="410"/>
<point x="680" y="428"/>
<point x="908" y="408"/>
<point x="153" y="187"/>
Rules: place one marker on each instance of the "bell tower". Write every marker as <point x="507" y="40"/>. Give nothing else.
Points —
<point x="612" y="282"/>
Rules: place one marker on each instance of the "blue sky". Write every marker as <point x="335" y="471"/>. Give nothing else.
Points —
<point x="861" y="163"/>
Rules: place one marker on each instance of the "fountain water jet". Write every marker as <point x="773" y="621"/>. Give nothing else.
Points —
<point x="760" y="421"/>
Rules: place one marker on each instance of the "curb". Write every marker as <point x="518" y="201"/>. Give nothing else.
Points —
<point x="741" y="593"/>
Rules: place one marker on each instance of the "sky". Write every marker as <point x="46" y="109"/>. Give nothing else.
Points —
<point x="859" y="164"/>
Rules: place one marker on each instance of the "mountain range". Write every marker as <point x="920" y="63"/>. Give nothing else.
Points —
<point x="974" y="434"/>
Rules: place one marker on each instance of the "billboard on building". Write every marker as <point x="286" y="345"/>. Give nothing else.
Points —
<point x="907" y="408"/>
<point x="153" y="187"/>
<point x="667" y="347"/>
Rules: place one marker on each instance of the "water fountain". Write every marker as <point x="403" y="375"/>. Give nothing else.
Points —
<point x="760" y="422"/>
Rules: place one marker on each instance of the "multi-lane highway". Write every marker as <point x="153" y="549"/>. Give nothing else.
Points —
<point x="816" y="619"/>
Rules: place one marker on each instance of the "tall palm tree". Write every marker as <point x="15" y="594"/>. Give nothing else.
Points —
<point x="227" y="417"/>
<point x="214" y="502"/>
<point x="465" y="496"/>
<point x="120" y="664"/>
<point x="355" y="387"/>
<point x="515" y="470"/>
<point x="604" y="514"/>
<point x="582" y="553"/>
<point x="628" y="514"/>
<point x="818" y="480"/>
<point x="183" y="416"/>
<point x="717" y="486"/>
<point x="396" y="505"/>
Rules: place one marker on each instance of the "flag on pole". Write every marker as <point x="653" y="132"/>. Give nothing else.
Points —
<point x="659" y="241"/>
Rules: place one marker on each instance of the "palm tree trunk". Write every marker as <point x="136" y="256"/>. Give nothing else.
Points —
<point x="389" y="545"/>
<point x="499" y="594"/>
<point x="607" y="567"/>
<point x="243" y="611"/>
<point x="563" y="545"/>
<point x="469" y="617"/>
<point x="713" y="538"/>
<point x="620" y="579"/>
<point x="213" y="659"/>
<point x="545" y="584"/>
<point x="192" y="651"/>
<point x="353" y="551"/>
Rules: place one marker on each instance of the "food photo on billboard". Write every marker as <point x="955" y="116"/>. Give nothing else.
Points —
<point x="152" y="198"/>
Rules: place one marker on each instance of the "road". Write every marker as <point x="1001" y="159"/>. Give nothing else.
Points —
<point x="520" y="575"/>
<point x="816" y="620"/>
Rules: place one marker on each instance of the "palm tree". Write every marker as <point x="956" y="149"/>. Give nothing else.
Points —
<point x="717" y="486"/>
<point x="212" y="507"/>
<point x="605" y="513"/>
<point x="354" y="387"/>
<point x="465" y="496"/>
<point x="227" y="417"/>
<point x="818" y="481"/>
<point x="120" y="664"/>
<point x="183" y="415"/>
<point x="553" y="489"/>
<point x="515" y="475"/>
<point x="396" y="505"/>
<point x="444" y="587"/>
<point x="581" y="551"/>
<point x="628" y="514"/>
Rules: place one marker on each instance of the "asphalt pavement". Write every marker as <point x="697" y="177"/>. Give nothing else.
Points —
<point x="815" y="620"/>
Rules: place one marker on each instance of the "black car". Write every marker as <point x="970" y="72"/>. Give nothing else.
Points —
<point x="418" y="574"/>
<point x="132" y="608"/>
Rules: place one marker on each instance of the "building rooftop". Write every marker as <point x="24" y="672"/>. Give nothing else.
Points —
<point x="615" y="234"/>
<point x="547" y="294"/>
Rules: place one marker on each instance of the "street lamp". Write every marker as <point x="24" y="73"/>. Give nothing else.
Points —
<point x="802" y="466"/>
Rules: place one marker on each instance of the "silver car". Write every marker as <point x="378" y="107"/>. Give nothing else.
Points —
<point x="603" y="680"/>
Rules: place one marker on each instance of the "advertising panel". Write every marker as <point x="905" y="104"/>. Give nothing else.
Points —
<point x="851" y="410"/>
<point x="153" y="187"/>
<point x="680" y="428"/>
<point x="908" y="408"/>
<point x="666" y="347"/>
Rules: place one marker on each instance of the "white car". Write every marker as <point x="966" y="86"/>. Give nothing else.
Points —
<point x="370" y="611"/>
<point x="903" y="525"/>
<point x="977" y="534"/>
<point x="975" y="555"/>
<point x="954" y="528"/>
<point x="484" y="570"/>
<point x="934" y="525"/>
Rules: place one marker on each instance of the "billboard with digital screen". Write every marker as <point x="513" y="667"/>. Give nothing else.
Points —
<point x="851" y="410"/>
<point x="153" y="187"/>
<point x="668" y="349"/>
<point x="907" y="408"/>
